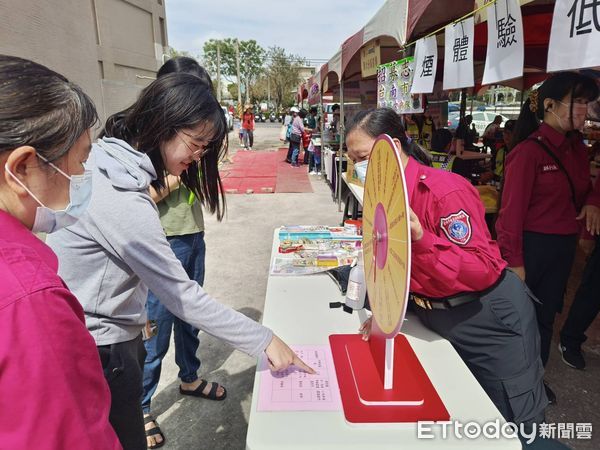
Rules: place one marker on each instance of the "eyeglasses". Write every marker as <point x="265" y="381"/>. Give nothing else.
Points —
<point x="197" y="147"/>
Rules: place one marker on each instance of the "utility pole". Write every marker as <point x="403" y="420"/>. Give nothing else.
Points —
<point x="218" y="72"/>
<point x="269" y="90"/>
<point x="239" y="78"/>
<point x="248" y="89"/>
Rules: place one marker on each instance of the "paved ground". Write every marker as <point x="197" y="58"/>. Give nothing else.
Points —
<point x="238" y="251"/>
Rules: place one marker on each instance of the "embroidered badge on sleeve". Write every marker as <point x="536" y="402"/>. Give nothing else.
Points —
<point x="457" y="227"/>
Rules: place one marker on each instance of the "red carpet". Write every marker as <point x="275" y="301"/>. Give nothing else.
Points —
<point x="263" y="172"/>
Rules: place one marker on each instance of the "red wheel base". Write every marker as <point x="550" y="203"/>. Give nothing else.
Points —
<point x="412" y="398"/>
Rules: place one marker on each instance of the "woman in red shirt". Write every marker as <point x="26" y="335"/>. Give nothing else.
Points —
<point x="53" y="394"/>
<point x="248" y="127"/>
<point x="548" y="197"/>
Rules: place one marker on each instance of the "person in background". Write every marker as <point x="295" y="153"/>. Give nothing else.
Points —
<point x="183" y="222"/>
<point x="248" y="127"/>
<point x="427" y="131"/>
<point x="289" y="118"/>
<point x="441" y="142"/>
<point x="458" y="279"/>
<point x="412" y="128"/>
<point x="491" y="134"/>
<point x="313" y="126"/>
<point x="118" y="250"/>
<point x="547" y="198"/>
<point x="463" y="132"/>
<point x="296" y="136"/>
<point x="52" y="390"/>
<point x="335" y="122"/>
<point x="500" y="155"/>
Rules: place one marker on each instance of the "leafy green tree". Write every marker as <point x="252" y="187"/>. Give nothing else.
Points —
<point x="252" y="57"/>
<point x="283" y="70"/>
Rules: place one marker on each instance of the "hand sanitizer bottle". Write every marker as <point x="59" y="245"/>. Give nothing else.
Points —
<point x="357" y="289"/>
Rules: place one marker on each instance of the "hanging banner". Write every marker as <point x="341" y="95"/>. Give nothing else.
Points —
<point x="575" y="35"/>
<point x="458" y="55"/>
<point x="425" y="65"/>
<point x="482" y="14"/>
<point x="314" y="93"/>
<point x="393" y="87"/>
<point x="370" y="59"/>
<point x="505" y="46"/>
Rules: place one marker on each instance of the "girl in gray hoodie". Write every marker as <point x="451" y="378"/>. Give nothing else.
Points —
<point x="118" y="249"/>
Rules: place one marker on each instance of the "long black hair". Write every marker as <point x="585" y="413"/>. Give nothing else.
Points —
<point x="41" y="108"/>
<point x="184" y="64"/>
<point x="556" y="87"/>
<point x="375" y="122"/>
<point x="170" y="103"/>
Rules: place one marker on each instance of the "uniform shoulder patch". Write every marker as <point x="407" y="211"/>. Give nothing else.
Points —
<point x="457" y="227"/>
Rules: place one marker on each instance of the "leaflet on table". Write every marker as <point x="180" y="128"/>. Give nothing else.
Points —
<point x="293" y="390"/>
<point x="311" y="262"/>
<point x="316" y="232"/>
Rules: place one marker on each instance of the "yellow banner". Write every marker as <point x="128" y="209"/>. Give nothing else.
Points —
<point x="370" y="59"/>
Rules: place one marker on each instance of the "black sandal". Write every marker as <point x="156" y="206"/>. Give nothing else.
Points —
<point x="153" y="432"/>
<point x="198" y="392"/>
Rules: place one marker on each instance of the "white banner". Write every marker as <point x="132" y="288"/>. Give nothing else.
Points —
<point x="425" y="66"/>
<point x="575" y="36"/>
<point x="458" y="55"/>
<point x="506" y="45"/>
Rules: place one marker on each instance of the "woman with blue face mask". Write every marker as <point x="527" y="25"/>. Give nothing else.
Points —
<point x="44" y="344"/>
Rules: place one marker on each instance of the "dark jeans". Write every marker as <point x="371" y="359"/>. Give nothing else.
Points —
<point x="548" y="262"/>
<point x="586" y="305"/>
<point x="248" y="138"/>
<point x="123" y="364"/>
<point x="190" y="250"/>
<point x="295" y="151"/>
<point x="497" y="338"/>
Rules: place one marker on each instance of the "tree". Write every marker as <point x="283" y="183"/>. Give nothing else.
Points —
<point x="173" y="53"/>
<point x="284" y="72"/>
<point x="252" y="57"/>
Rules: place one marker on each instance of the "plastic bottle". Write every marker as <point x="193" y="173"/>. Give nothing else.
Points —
<point x="357" y="288"/>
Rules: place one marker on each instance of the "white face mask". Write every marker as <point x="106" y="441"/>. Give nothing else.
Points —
<point x="579" y="114"/>
<point x="80" y="192"/>
<point x="360" y="168"/>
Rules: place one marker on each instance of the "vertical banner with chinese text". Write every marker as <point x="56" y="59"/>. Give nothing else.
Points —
<point x="505" y="47"/>
<point x="393" y="87"/>
<point x="425" y="65"/>
<point x="575" y="35"/>
<point x="458" y="55"/>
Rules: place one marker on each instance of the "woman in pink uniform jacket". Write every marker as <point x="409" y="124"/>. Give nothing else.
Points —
<point x="53" y="394"/>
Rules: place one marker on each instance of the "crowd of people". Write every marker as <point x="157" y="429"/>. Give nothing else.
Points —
<point x="548" y="204"/>
<point x="123" y="262"/>
<point x="74" y="309"/>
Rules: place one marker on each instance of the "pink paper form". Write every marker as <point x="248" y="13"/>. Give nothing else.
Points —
<point x="293" y="390"/>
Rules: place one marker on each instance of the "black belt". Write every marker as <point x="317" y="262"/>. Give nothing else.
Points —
<point x="455" y="300"/>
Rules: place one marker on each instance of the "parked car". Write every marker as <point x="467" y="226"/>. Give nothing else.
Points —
<point x="228" y="118"/>
<point x="481" y="119"/>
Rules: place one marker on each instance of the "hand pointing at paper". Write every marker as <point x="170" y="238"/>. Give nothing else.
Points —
<point x="281" y="356"/>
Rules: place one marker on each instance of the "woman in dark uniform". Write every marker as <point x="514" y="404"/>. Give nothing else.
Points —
<point x="548" y="194"/>
<point x="460" y="288"/>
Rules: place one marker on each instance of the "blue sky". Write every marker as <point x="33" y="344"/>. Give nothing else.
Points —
<point x="312" y="29"/>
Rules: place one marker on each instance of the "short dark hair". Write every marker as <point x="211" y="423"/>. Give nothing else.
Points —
<point x="172" y="102"/>
<point x="302" y="113"/>
<point x="335" y="107"/>
<point x="41" y="108"/>
<point x="375" y="122"/>
<point x="440" y="139"/>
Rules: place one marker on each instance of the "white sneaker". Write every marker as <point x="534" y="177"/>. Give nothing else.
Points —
<point x="312" y="172"/>
<point x="319" y="173"/>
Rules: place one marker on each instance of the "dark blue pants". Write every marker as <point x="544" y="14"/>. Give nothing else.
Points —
<point x="586" y="305"/>
<point x="190" y="250"/>
<point x="295" y="152"/>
